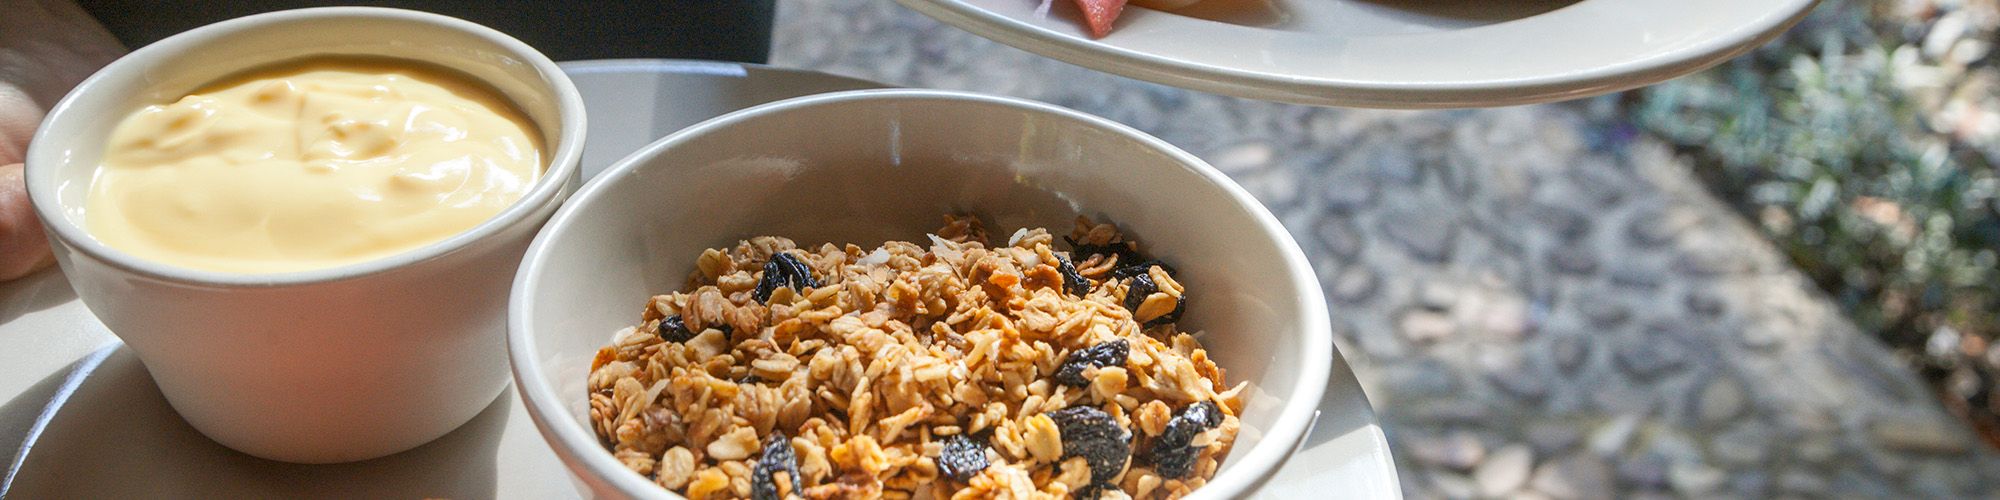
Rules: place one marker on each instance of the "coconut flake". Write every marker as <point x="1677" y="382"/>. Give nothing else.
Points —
<point x="878" y="257"/>
<point x="1016" y="238"/>
<point x="945" y="249"/>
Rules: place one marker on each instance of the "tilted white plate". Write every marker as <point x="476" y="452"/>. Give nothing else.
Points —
<point x="82" y="419"/>
<point x="1392" y="53"/>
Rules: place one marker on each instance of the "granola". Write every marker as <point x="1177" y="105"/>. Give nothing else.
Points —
<point x="957" y="369"/>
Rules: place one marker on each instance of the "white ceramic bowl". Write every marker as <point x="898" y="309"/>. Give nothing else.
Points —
<point x="865" y="166"/>
<point x="330" y="365"/>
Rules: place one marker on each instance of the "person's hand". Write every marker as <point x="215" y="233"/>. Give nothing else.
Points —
<point x="23" y="247"/>
<point x="46" y="47"/>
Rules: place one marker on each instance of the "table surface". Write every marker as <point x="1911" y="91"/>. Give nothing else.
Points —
<point x="1539" y="300"/>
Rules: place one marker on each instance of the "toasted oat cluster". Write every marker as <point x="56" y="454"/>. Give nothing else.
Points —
<point x="956" y="369"/>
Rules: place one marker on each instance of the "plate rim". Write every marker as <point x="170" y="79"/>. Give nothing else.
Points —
<point x="1320" y="91"/>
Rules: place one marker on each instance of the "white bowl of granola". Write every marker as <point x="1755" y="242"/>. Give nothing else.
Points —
<point x="917" y="292"/>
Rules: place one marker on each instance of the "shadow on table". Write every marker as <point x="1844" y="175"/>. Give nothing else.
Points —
<point x="115" y="436"/>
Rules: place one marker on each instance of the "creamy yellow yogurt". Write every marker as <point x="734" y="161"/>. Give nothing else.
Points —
<point x="310" y="165"/>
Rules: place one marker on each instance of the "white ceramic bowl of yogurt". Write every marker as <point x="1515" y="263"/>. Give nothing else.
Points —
<point x="873" y="165"/>
<point x="333" y="364"/>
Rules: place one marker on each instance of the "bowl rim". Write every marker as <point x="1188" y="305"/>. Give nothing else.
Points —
<point x="584" y="455"/>
<point x="560" y="167"/>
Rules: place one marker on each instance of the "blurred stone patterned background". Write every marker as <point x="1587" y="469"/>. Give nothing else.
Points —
<point x="1678" y="291"/>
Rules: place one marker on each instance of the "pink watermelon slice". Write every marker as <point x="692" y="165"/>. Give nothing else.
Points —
<point x="1099" y="14"/>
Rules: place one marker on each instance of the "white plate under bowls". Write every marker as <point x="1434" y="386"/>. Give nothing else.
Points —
<point x="1392" y="53"/>
<point x="80" y="417"/>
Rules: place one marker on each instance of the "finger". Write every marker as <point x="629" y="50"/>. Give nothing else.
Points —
<point x="24" y="248"/>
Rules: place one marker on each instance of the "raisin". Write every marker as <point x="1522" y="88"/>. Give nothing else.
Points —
<point x="1092" y="434"/>
<point x="674" y="329"/>
<point x="783" y="270"/>
<point x="1073" y="283"/>
<point x="962" y="458"/>
<point x="1103" y="354"/>
<point x="1173" y="452"/>
<point x="1093" y="491"/>
<point x="778" y="457"/>
<point x="1123" y="250"/>
<point x="1142" y="286"/>
<point x="1139" y="268"/>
